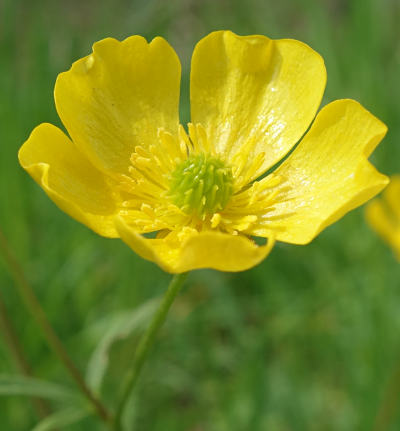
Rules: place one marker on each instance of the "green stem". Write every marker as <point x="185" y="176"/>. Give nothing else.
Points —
<point x="17" y="353"/>
<point x="29" y="298"/>
<point x="146" y="343"/>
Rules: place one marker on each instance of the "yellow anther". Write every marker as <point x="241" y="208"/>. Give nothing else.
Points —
<point x="215" y="220"/>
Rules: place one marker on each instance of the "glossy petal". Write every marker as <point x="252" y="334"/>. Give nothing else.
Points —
<point x="391" y="197"/>
<point x="179" y="252"/>
<point x="383" y="215"/>
<point x="328" y="173"/>
<point x="254" y="95"/>
<point x="118" y="97"/>
<point x="67" y="177"/>
<point x="252" y="100"/>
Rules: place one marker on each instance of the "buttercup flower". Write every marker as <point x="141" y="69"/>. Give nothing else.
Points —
<point x="383" y="215"/>
<point x="129" y="168"/>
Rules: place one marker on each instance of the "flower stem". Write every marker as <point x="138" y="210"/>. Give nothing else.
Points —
<point x="17" y="353"/>
<point x="31" y="302"/>
<point x="146" y="343"/>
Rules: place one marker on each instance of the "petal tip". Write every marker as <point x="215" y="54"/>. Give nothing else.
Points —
<point x="209" y="249"/>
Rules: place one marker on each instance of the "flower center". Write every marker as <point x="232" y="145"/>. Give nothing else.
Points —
<point x="201" y="185"/>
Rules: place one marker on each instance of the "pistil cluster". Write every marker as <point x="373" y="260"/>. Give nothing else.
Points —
<point x="201" y="185"/>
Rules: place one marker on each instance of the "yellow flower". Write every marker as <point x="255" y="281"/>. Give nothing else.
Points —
<point x="383" y="215"/>
<point x="129" y="167"/>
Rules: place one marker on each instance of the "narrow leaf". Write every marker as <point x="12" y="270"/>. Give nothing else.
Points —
<point x="29" y="386"/>
<point x="124" y="324"/>
<point x="62" y="418"/>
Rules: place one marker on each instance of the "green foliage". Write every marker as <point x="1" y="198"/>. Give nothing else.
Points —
<point x="21" y="385"/>
<point x="61" y="419"/>
<point x="119" y="326"/>
<point x="306" y="341"/>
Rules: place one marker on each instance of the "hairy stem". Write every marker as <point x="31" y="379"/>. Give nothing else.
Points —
<point x="145" y="344"/>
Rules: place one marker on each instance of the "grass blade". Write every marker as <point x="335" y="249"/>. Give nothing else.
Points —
<point x="29" y="386"/>
<point x="62" y="418"/>
<point x="121" y="326"/>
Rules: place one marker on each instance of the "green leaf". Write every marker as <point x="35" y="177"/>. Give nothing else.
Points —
<point x="62" y="418"/>
<point x="130" y="414"/>
<point x="29" y="386"/>
<point x="122" y="325"/>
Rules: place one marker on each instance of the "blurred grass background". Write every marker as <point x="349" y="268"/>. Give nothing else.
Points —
<point x="308" y="340"/>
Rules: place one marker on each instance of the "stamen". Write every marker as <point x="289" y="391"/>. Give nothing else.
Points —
<point x="215" y="220"/>
<point x="248" y="209"/>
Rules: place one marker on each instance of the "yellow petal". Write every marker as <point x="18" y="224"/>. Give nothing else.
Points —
<point x="118" y="97"/>
<point x="328" y="173"/>
<point x="254" y="95"/>
<point x="67" y="177"/>
<point x="180" y="252"/>
<point x="383" y="215"/>
<point x="391" y="196"/>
